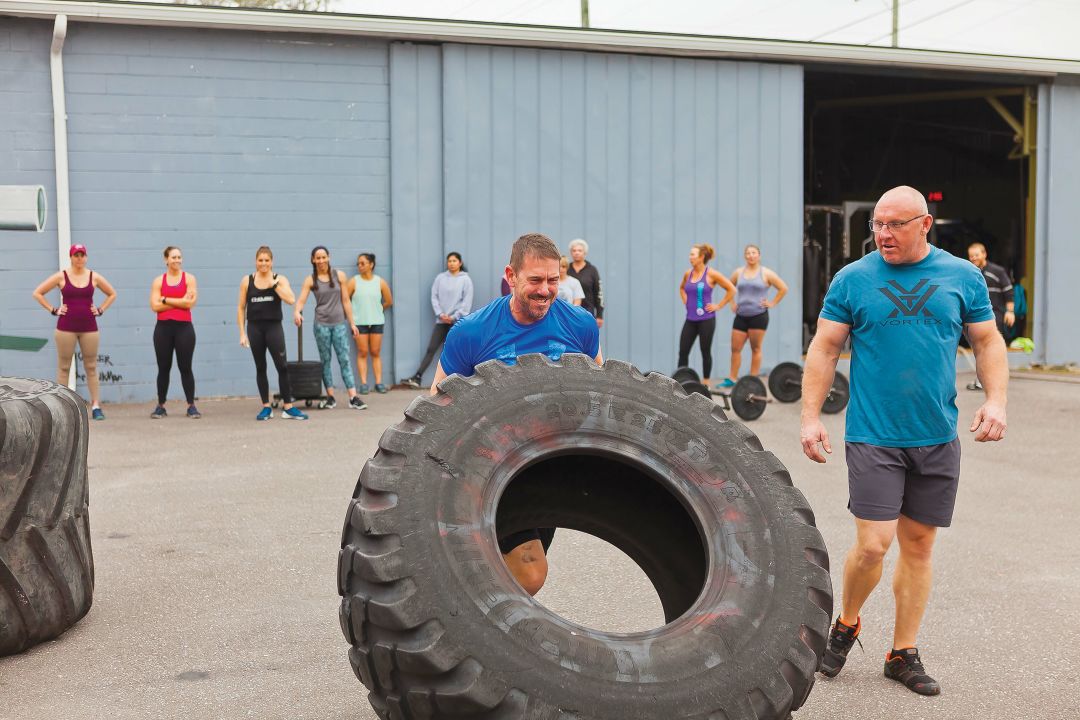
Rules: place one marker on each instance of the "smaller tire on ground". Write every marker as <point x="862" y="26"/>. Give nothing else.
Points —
<point x="46" y="564"/>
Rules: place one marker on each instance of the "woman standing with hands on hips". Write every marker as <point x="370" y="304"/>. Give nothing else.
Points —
<point x="258" y="313"/>
<point x="451" y="300"/>
<point x="370" y="297"/>
<point x="172" y="296"/>
<point x="333" y="323"/>
<point x="751" y="308"/>
<point x="696" y="291"/>
<point x="76" y="322"/>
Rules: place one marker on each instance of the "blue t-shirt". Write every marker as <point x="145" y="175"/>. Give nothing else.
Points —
<point x="492" y="333"/>
<point x="905" y="323"/>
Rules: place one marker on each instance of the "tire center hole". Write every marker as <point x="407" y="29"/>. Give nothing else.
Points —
<point x="628" y="555"/>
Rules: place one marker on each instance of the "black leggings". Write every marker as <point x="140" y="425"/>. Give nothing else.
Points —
<point x="438" y="337"/>
<point x="705" y="329"/>
<point x="266" y="335"/>
<point x="178" y="336"/>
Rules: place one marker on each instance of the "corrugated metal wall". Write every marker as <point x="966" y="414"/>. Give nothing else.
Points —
<point x="217" y="142"/>
<point x="640" y="156"/>
<point x="1058" y="187"/>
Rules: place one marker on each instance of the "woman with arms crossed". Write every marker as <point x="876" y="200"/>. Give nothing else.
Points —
<point x="76" y="321"/>
<point x="172" y="296"/>
<point x="258" y="313"/>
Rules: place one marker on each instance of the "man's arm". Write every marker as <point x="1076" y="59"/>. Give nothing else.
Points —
<point x="440" y="375"/>
<point x="992" y="367"/>
<point x="817" y="379"/>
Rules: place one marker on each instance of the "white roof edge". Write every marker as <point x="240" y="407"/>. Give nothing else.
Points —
<point x="531" y="36"/>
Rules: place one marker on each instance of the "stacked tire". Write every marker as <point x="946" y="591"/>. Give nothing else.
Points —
<point x="46" y="565"/>
<point x="438" y="627"/>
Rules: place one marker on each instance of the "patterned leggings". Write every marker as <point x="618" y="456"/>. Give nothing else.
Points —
<point x="338" y="337"/>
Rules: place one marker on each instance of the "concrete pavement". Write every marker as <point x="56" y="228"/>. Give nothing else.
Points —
<point x="215" y="544"/>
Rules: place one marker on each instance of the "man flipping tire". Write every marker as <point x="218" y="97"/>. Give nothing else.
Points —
<point x="904" y="308"/>
<point x="530" y="319"/>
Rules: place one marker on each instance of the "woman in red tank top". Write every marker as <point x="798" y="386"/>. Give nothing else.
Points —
<point x="172" y="295"/>
<point x="77" y="320"/>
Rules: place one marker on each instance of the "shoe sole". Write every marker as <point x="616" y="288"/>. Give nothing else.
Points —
<point x="284" y="416"/>
<point x="354" y="407"/>
<point x="932" y="692"/>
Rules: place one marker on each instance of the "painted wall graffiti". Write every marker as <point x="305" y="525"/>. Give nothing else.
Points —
<point x="104" y="376"/>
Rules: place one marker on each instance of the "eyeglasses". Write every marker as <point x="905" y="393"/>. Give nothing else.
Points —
<point x="878" y="226"/>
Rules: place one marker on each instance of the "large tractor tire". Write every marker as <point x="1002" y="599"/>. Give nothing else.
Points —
<point x="46" y="567"/>
<point x="440" y="629"/>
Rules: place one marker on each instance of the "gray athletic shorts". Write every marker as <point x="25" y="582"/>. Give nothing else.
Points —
<point x="918" y="482"/>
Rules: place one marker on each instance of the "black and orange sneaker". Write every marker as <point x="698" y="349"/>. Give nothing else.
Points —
<point x="841" y="638"/>
<point x="905" y="666"/>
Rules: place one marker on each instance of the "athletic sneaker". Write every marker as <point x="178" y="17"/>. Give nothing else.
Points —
<point x="380" y="388"/>
<point x="293" y="414"/>
<point x="728" y="382"/>
<point x="362" y="389"/>
<point x="904" y="666"/>
<point x="265" y="414"/>
<point x="841" y="638"/>
<point x="413" y="382"/>
<point x="97" y="414"/>
<point x="356" y="403"/>
<point x="192" y="412"/>
<point x="330" y="404"/>
<point x="159" y="412"/>
<point x="974" y="385"/>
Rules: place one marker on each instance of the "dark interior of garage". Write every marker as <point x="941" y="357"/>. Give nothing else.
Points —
<point x="964" y="142"/>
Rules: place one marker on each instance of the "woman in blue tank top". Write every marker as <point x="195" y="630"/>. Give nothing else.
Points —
<point x="751" y="307"/>
<point x="696" y="291"/>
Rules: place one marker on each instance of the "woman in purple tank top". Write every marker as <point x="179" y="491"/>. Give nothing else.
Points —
<point x="696" y="291"/>
<point x="77" y="319"/>
<point x="751" y="308"/>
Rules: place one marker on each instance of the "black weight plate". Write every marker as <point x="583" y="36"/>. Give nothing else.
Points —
<point x="748" y="397"/>
<point x="837" y="398"/>
<point x="685" y="375"/>
<point x="785" y="382"/>
<point x="692" y="386"/>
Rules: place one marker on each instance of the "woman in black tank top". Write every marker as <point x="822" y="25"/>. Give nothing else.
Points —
<point x="258" y="313"/>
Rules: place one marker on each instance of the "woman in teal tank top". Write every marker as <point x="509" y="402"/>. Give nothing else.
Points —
<point x="370" y="298"/>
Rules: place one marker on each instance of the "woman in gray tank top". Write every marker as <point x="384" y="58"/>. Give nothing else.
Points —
<point x="751" y="307"/>
<point x="333" y="323"/>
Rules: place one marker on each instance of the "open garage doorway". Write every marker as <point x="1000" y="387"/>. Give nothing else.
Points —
<point x="968" y="144"/>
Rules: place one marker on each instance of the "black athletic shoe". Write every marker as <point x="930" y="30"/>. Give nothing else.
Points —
<point x="356" y="403"/>
<point x="413" y="382"/>
<point x="904" y="666"/>
<point x="841" y="638"/>
<point x="330" y="403"/>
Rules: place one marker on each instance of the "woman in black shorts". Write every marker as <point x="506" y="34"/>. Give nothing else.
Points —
<point x="258" y="313"/>
<point x="751" y="307"/>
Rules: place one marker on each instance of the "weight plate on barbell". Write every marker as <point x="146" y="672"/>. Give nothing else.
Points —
<point x="837" y="399"/>
<point x="685" y="375"/>
<point x="748" y="397"/>
<point x="785" y="382"/>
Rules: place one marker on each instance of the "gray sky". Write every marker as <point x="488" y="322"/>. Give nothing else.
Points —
<point x="1039" y="28"/>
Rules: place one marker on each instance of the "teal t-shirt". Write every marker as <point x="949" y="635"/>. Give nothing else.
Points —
<point x="905" y="323"/>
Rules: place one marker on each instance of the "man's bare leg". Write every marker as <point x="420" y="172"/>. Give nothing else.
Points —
<point x="862" y="568"/>
<point x="913" y="578"/>
<point x="529" y="565"/>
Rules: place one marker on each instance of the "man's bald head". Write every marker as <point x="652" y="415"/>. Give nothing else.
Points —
<point x="905" y="196"/>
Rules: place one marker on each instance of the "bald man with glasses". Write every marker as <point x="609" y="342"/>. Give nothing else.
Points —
<point x="904" y="307"/>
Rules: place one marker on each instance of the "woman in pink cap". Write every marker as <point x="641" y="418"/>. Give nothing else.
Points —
<point x="77" y="319"/>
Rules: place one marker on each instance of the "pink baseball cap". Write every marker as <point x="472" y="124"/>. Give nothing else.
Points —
<point x="77" y="249"/>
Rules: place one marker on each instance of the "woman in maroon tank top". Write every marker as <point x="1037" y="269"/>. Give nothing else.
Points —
<point x="76" y="322"/>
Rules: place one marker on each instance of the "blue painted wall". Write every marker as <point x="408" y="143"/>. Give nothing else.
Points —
<point x="1057" y="258"/>
<point x="217" y="142"/>
<point x="641" y="156"/>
